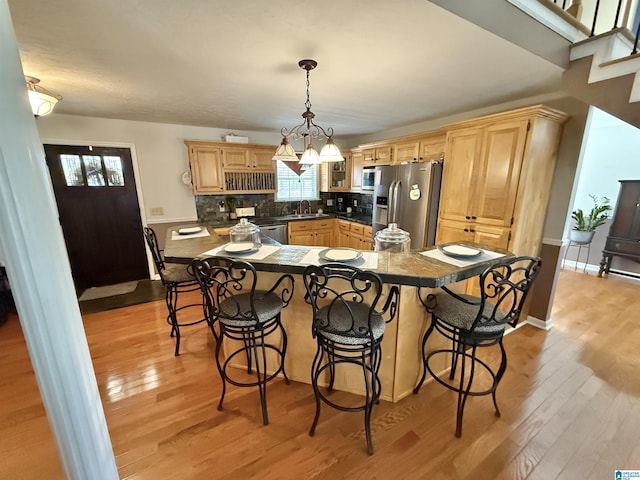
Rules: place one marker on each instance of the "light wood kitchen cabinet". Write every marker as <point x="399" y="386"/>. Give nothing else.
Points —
<point x="497" y="177"/>
<point x="248" y="159"/>
<point x="381" y="155"/>
<point x="339" y="174"/>
<point x="432" y="146"/>
<point x="406" y="152"/>
<point x="357" y="162"/>
<point x="354" y="235"/>
<point x="343" y="233"/>
<point x="312" y="232"/>
<point x="233" y="168"/>
<point x="419" y="148"/>
<point x="205" y="162"/>
<point x="452" y="231"/>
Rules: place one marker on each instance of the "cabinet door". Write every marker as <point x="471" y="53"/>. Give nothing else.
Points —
<point x="301" y="238"/>
<point x="432" y="149"/>
<point x="206" y="169"/>
<point x="343" y="238"/>
<point x="323" y="237"/>
<point x="449" y="232"/>
<point x="367" y="238"/>
<point x="497" y="178"/>
<point x="262" y="159"/>
<point x="463" y="150"/>
<point x="355" y="241"/>
<point x="406" y="152"/>
<point x="369" y="157"/>
<point x="338" y="176"/>
<point x="384" y="155"/>
<point x="491" y="236"/>
<point x="235" y="159"/>
<point x="357" y="162"/>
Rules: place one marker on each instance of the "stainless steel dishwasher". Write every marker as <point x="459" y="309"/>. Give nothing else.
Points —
<point x="276" y="232"/>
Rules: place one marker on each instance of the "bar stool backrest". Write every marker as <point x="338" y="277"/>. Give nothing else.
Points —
<point x="342" y="292"/>
<point x="221" y="280"/>
<point x="152" y="242"/>
<point x="504" y="288"/>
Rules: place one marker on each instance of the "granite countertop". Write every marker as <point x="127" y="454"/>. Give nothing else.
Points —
<point x="409" y="268"/>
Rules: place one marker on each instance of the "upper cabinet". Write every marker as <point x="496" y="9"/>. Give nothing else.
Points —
<point x="218" y="166"/>
<point x="497" y="178"/>
<point x="432" y="146"/>
<point x="205" y="161"/>
<point x="357" y="162"/>
<point x="378" y="155"/>
<point x="406" y="152"/>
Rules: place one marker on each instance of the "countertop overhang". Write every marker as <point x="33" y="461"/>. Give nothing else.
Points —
<point x="409" y="268"/>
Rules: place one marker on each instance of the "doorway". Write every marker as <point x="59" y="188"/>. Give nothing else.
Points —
<point x="97" y="202"/>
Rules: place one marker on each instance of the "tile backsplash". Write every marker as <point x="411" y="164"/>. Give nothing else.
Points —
<point x="208" y="206"/>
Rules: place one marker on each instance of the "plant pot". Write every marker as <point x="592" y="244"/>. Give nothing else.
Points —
<point x="581" y="237"/>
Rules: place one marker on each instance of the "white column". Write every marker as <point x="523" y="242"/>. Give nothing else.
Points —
<point x="36" y="259"/>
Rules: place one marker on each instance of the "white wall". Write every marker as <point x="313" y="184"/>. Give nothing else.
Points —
<point x="159" y="149"/>
<point x="610" y="154"/>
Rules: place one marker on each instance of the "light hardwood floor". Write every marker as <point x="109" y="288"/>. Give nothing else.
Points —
<point x="569" y="401"/>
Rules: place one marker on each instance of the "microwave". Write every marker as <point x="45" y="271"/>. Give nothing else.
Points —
<point x="368" y="178"/>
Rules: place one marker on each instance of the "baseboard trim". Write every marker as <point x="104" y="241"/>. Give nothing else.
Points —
<point x="536" y="322"/>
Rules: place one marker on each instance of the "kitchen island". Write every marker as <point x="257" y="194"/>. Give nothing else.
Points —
<point x="401" y="347"/>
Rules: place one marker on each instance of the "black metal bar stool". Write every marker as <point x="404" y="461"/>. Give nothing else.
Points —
<point x="474" y="322"/>
<point x="244" y="315"/>
<point x="348" y="326"/>
<point x="177" y="279"/>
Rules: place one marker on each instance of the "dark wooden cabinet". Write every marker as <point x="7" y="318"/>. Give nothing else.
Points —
<point x="624" y="235"/>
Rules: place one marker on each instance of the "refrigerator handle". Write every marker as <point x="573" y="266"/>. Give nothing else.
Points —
<point x="390" y="218"/>
<point x="396" y="189"/>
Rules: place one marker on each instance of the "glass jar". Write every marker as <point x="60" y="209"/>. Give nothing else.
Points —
<point x="244" y="232"/>
<point x="392" y="239"/>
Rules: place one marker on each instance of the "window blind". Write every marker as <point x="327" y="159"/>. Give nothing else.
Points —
<point x="294" y="187"/>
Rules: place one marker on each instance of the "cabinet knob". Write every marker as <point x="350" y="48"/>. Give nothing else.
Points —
<point x="467" y="217"/>
<point x="472" y="230"/>
<point x="466" y="229"/>
<point x="473" y="217"/>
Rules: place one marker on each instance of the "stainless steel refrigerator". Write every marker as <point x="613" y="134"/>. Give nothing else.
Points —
<point x="409" y="196"/>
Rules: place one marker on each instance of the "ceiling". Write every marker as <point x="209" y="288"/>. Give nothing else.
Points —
<point x="234" y="65"/>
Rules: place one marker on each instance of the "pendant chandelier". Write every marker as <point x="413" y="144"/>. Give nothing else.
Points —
<point x="42" y="100"/>
<point x="309" y="131"/>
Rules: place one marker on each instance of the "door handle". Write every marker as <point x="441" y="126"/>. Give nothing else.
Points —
<point x="395" y="201"/>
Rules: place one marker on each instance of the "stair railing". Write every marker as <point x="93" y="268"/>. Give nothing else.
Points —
<point x="621" y="21"/>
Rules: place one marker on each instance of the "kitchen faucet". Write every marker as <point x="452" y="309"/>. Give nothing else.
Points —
<point x="300" y="207"/>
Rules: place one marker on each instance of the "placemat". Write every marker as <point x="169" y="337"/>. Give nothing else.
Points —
<point x="262" y="253"/>
<point x="176" y="236"/>
<point x="458" y="262"/>
<point x="368" y="261"/>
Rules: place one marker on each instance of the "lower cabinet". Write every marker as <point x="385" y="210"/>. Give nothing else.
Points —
<point x="452" y="231"/>
<point x="318" y="233"/>
<point x="354" y="235"/>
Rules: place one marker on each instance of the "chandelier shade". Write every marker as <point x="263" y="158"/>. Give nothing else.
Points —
<point x="42" y="100"/>
<point x="308" y="130"/>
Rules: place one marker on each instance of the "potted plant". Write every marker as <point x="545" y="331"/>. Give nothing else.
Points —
<point x="585" y="225"/>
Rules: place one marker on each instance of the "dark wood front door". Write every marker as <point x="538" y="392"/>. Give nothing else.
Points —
<point x="96" y="195"/>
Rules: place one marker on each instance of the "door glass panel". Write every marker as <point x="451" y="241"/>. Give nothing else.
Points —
<point x="93" y="167"/>
<point x="113" y="165"/>
<point x="72" y="170"/>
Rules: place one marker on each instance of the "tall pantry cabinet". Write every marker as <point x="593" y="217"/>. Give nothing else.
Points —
<point x="497" y="178"/>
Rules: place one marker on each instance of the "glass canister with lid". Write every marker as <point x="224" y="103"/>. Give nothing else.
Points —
<point x="244" y="231"/>
<point x="392" y="239"/>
